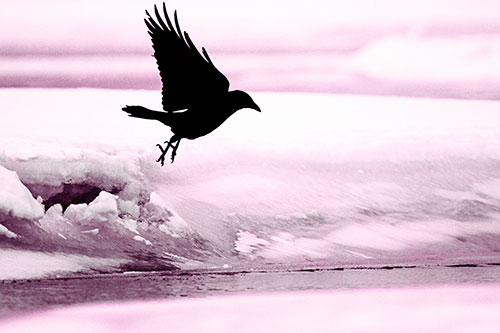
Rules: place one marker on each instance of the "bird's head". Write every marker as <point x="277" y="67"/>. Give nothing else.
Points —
<point x="241" y="100"/>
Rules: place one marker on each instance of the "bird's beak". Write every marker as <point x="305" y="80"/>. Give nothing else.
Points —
<point x="255" y="107"/>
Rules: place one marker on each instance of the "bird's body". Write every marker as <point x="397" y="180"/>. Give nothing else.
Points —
<point x="196" y="94"/>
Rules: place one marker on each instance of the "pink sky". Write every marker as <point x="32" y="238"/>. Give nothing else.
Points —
<point x="356" y="46"/>
<point x="224" y="24"/>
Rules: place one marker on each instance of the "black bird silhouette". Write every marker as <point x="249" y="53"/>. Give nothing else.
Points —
<point x="195" y="94"/>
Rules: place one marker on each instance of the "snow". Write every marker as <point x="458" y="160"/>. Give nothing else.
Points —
<point x="424" y="309"/>
<point x="15" y="199"/>
<point x="103" y="208"/>
<point x="343" y="126"/>
<point x="130" y="225"/>
<point x="176" y="223"/>
<point x="128" y="207"/>
<point x="312" y="177"/>
<point x="28" y="264"/>
<point x="385" y="236"/>
<point x="248" y="242"/>
<point x="6" y="232"/>
<point x="91" y="231"/>
<point x="142" y="239"/>
<point x="89" y="152"/>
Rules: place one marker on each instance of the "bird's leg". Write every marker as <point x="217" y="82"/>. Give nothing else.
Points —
<point x="174" y="150"/>
<point x="161" y="159"/>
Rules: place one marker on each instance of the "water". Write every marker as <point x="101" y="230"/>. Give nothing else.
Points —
<point x="33" y="295"/>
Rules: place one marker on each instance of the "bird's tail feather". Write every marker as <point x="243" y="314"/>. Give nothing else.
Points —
<point x="141" y="112"/>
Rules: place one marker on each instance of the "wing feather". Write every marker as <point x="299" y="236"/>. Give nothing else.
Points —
<point x="158" y="17"/>
<point x="205" y="53"/>
<point x="186" y="75"/>
<point x="179" y="32"/>
<point x="170" y="26"/>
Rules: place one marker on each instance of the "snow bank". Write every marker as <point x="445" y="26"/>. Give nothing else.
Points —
<point x="428" y="309"/>
<point x="15" y="199"/>
<point x="91" y="174"/>
<point x="312" y="177"/>
<point x="30" y="265"/>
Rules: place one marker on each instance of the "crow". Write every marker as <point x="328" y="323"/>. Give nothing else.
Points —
<point x="195" y="94"/>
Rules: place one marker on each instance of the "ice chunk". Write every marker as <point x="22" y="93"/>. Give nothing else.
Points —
<point x="129" y="224"/>
<point x="91" y="232"/>
<point x="16" y="199"/>
<point x="75" y="213"/>
<point x="155" y="199"/>
<point x="142" y="239"/>
<point x="6" y="232"/>
<point x="55" y="210"/>
<point x="103" y="208"/>
<point x="128" y="207"/>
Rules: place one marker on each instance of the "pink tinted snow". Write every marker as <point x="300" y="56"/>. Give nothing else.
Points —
<point x="427" y="309"/>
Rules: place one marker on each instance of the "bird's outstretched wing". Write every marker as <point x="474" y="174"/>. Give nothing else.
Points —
<point x="187" y="76"/>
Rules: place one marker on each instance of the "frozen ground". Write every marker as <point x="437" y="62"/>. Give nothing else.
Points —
<point x="430" y="309"/>
<point x="314" y="180"/>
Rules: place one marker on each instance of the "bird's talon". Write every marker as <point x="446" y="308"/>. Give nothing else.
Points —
<point x="161" y="159"/>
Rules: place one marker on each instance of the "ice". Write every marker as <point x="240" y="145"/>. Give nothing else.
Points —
<point x="15" y="199"/>
<point x="95" y="182"/>
<point x="26" y="264"/>
<point x="75" y="212"/>
<point x="142" y="239"/>
<point x="157" y="206"/>
<point x="103" y="208"/>
<point x="129" y="224"/>
<point x="128" y="207"/>
<point x="6" y="232"/>
<point x="93" y="232"/>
